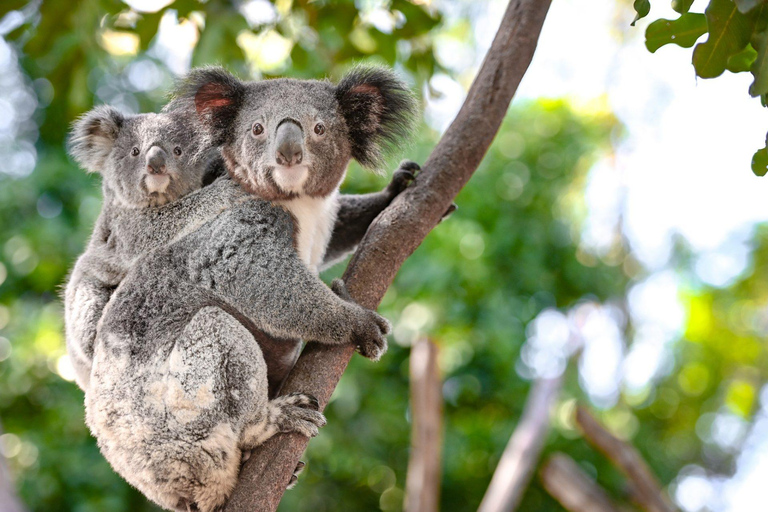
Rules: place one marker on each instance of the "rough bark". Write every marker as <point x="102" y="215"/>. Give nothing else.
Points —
<point x="565" y="481"/>
<point x="647" y="491"/>
<point x="520" y="457"/>
<point x="422" y="485"/>
<point x="397" y="232"/>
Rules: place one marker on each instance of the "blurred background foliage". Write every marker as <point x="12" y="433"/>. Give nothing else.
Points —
<point x="506" y="287"/>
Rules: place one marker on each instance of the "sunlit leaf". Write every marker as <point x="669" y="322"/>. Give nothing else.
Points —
<point x="760" y="162"/>
<point x="642" y="8"/>
<point x="683" y="31"/>
<point x="759" y="67"/>
<point x="729" y="33"/>
<point x="742" y="61"/>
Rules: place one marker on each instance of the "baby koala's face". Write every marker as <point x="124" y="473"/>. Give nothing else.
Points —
<point x="146" y="160"/>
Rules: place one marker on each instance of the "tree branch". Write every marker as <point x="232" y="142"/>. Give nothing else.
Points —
<point x="397" y="232"/>
<point x="565" y="481"/>
<point x="515" y="469"/>
<point x="647" y="491"/>
<point x="422" y="485"/>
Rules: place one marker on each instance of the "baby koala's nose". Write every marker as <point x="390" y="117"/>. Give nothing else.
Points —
<point x="290" y="144"/>
<point x="156" y="158"/>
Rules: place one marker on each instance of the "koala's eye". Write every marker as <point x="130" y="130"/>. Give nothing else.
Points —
<point x="177" y="151"/>
<point x="319" y="129"/>
<point x="257" y="129"/>
<point x="135" y="151"/>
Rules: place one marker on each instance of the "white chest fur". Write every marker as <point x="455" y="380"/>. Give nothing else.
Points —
<point x="315" y="218"/>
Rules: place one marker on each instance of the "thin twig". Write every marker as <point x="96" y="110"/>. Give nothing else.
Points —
<point x="518" y="462"/>
<point x="397" y="232"/>
<point x="647" y="490"/>
<point x="565" y="481"/>
<point x="422" y="485"/>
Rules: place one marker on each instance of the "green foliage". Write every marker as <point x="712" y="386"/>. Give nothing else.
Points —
<point x="737" y="41"/>
<point x="642" y="8"/>
<point x="729" y="32"/>
<point x="684" y="31"/>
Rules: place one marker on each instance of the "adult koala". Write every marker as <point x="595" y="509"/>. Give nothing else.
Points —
<point x="179" y="386"/>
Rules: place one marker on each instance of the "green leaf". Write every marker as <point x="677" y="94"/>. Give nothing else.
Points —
<point x="683" y="31"/>
<point x="729" y="33"/>
<point x="759" y="66"/>
<point x="742" y="61"/>
<point x="146" y="27"/>
<point x="681" y="6"/>
<point x="745" y="6"/>
<point x="760" y="161"/>
<point x="642" y="8"/>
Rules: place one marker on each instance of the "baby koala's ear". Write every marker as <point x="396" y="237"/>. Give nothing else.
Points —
<point x="215" y="95"/>
<point x="378" y="109"/>
<point x="93" y="136"/>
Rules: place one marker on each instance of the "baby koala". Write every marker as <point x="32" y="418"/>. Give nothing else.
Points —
<point x="153" y="169"/>
<point x="179" y="385"/>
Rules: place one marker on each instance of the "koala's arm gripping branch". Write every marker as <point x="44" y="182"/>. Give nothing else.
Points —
<point x="397" y="232"/>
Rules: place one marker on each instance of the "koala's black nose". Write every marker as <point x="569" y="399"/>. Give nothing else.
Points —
<point x="289" y="141"/>
<point x="156" y="158"/>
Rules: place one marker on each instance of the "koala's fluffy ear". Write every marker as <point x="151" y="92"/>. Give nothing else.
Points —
<point x="215" y="95"/>
<point x="378" y="109"/>
<point x="93" y="136"/>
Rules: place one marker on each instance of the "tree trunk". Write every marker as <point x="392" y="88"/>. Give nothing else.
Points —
<point x="422" y="485"/>
<point x="397" y="232"/>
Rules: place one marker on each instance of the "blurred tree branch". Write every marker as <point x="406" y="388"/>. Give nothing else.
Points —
<point x="572" y="488"/>
<point x="398" y="231"/>
<point x="518" y="462"/>
<point x="646" y="489"/>
<point x="422" y="487"/>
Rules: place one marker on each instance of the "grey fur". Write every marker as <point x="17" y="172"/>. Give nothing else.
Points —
<point x="179" y="386"/>
<point x="129" y="227"/>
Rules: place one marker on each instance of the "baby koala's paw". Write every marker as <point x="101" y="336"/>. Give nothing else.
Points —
<point x="369" y="329"/>
<point x="403" y="176"/>
<point x="299" y="412"/>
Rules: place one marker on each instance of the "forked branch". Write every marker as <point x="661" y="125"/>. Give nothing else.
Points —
<point x="397" y="232"/>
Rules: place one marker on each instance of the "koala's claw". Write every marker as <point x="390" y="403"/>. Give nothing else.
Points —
<point x="409" y="165"/>
<point x="403" y="176"/>
<point x="449" y="211"/>
<point x="370" y="334"/>
<point x="373" y="344"/>
<point x="295" y="476"/>
<point x="313" y="404"/>
<point x="300" y="413"/>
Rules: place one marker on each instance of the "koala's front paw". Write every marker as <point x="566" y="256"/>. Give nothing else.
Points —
<point x="369" y="329"/>
<point x="370" y="337"/>
<point x="404" y="176"/>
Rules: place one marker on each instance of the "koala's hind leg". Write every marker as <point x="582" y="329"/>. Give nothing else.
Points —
<point x="217" y="387"/>
<point x="296" y="412"/>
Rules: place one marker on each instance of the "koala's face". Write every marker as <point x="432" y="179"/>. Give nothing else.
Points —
<point x="287" y="138"/>
<point x="146" y="160"/>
